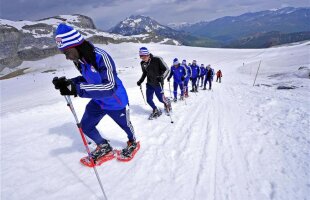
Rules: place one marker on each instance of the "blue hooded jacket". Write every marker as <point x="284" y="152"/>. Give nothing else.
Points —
<point x="102" y="84"/>
<point x="178" y="73"/>
<point x="195" y="71"/>
<point x="202" y="71"/>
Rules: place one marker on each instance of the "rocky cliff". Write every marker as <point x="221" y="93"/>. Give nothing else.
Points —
<point x="33" y="40"/>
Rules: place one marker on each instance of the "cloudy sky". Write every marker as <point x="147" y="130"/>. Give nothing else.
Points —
<point x="107" y="13"/>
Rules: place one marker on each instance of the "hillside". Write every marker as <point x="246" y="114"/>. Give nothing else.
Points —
<point x="235" y="142"/>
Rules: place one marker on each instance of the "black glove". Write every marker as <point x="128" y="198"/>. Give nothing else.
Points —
<point x="168" y="79"/>
<point x="59" y="82"/>
<point x="160" y="79"/>
<point x="139" y="83"/>
<point x="191" y="78"/>
<point x="69" y="90"/>
<point x="65" y="86"/>
<point x="182" y="78"/>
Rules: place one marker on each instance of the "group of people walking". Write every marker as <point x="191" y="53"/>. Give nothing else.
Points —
<point x="156" y="71"/>
<point x="100" y="83"/>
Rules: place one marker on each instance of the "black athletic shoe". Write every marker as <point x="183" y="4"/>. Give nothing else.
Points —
<point x="156" y="113"/>
<point x="130" y="149"/>
<point x="101" y="150"/>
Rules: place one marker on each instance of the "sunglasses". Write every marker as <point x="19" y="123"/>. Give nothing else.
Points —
<point x="143" y="56"/>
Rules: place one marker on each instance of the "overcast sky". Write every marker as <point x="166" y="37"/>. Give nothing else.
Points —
<point x="107" y="13"/>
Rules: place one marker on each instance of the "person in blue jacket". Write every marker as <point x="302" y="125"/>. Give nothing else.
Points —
<point x="98" y="82"/>
<point x="189" y="74"/>
<point x="195" y="74"/>
<point x="179" y="73"/>
<point x="202" y="74"/>
<point x="208" y="78"/>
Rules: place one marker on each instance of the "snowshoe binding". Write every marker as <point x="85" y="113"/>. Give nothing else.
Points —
<point x="129" y="152"/>
<point x="101" y="154"/>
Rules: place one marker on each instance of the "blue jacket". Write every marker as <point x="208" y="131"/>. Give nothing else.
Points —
<point x="102" y="85"/>
<point x="189" y="72"/>
<point x="178" y="73"/>
<point x="195" y="71"/>
<point x="202" y="71"/>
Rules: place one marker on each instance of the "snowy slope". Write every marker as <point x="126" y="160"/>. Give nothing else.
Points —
<point x="235" y="142"/>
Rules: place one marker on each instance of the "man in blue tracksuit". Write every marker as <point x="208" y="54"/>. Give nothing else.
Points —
<point x="179" y="73"/>
<point x="187" y="78"/>
<point x="98" y="82"/>
<point x="195" y="74"/>
<point x="208" y="78"/>
<point x="155" y="70"/>
<point x="202" y="74"/>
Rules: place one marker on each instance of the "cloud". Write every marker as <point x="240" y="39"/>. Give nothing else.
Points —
<point x="106" y="13"/>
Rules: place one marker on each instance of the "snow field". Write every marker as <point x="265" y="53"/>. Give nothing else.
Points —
<point x="233" y="142"/>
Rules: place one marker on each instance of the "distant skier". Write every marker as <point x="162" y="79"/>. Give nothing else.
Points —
<point x="156" y="70"/>
<point x="189" y="74"/>
<point x="179" y="73"/>
<point x="219" y="76"/>
<point x="100" y="83"/>
<point x="195" y="74"/>
<point x="208" y="78"/>
<point x="202" y="74"/>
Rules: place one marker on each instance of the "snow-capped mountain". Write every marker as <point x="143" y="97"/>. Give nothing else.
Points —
<point x="139" y="24"/>
<point x="32" y="40"/>
<point x="291" y="24"/>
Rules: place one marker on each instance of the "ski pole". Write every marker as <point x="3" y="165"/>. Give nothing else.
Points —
<point x="70" y="105"/>
<point x="170" y="90"/>
<point x="142" y="94"/>
<point x="164" y="99"/>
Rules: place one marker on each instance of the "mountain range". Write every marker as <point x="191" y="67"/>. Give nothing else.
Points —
<point x="139" y="24"/>
<point x="260" y="29"/>
<point x="33" y="40"/>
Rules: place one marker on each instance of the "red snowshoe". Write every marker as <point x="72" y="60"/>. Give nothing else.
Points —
<point x="129" y="152"/>
<point x="90" y="163"/>
<point x="101" y="154"/>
